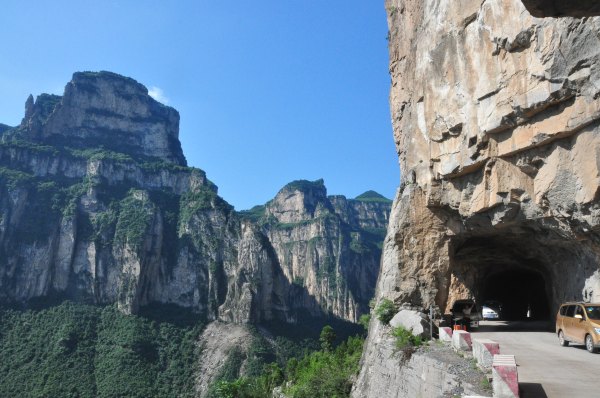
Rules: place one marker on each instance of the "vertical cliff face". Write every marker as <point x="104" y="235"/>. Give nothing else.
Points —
<point x="324" y="251"/>
<point x="97" y="205"/>
<point x="495" y="115"/>
<point x="93" y="224"/>
<point x="105" y="109"/>
<point x="496" y="119"/>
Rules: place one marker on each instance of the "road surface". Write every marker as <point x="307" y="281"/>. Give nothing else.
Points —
<point x="545" y="368"/>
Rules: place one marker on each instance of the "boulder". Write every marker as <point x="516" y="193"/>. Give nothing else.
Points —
<point x="414" y="321"/>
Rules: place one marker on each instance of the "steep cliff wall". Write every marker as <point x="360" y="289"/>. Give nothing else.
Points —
<point x="82" y="221"/>
<point x="104" y="109"/>
<point x="328" y="248"/>
<point x="97" y="205"/>
<point x="496" y="120"/>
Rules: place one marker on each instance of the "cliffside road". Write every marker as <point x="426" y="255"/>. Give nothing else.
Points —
<point x="545" y="368"/>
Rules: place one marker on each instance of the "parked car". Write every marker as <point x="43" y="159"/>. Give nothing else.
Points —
<point x="495" y="305"/>
<point x="465" y="312"/>
<point x="579" y="323"/>
<point x="489" y="313"/>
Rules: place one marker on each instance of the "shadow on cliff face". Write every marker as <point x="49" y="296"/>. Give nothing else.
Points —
<point x="529" y="270"/>
<point x="557" y="8"/>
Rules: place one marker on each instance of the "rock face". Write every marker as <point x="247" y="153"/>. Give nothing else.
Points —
<point x="496" y="120"/>
<point x="108" y="110"/>
<point x="97" y="205"/>
<point x="328" y="248"/>
<point x="436" y="371"/>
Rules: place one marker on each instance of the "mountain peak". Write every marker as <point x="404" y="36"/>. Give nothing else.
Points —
<point x="372" y="196"/>
<point x="109" y="110"/>
<point x="305" y="185"/>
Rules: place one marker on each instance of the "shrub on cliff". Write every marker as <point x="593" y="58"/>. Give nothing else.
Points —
<point x="406" y="342"/>
<point x="386" y="310"/>
<point x="404" y="338"/>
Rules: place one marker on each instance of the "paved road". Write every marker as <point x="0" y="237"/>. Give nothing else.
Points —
<point x="545" y="368"/>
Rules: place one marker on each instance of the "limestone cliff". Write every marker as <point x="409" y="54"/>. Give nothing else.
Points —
<point x="108" y="110"/>
<point x="97" y="205"/>
<point x="325" y="249"/>
<point x="496" y="120"/>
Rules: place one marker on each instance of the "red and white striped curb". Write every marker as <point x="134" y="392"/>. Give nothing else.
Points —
<point x="461" y="340"/>
<point x="505" y="381"/>
<point x="445" y="334"/>
<point x="484" y="351"/>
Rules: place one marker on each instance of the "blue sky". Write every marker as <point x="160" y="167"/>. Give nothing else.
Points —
<point x="268" y="91"/>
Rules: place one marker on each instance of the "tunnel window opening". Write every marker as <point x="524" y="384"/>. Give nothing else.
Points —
<point x="521" y="293"/>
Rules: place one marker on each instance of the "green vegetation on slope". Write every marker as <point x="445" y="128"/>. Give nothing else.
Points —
<point x="135" y="215"/>
<point x="254" y="214"/>
<point x="77" y="350"/>
<point x="46" y="103"/>
<point x="201" y="199"/>
<point x="386" y="310"/>
<point x="325" y="373"/>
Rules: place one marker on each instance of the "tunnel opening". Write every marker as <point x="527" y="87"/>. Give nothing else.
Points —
<point x="519" y="294"/>
<point x="529" y="271"/>
<point x="510" y="272"/>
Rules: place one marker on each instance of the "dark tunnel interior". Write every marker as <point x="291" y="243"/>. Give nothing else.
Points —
<point x="521" y="292"/>
<point x="512" y="270"/>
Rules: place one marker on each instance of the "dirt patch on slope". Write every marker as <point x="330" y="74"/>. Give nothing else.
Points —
<point x="217" y="342"/>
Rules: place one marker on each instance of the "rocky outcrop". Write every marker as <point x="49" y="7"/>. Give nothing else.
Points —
<point x="322" y="253"/>
<point x="108" y="110"/>
<point x="505" y="167"/>
<point x="496" y="120"/>
<point x="431" y="371"/>
<point x="97" y="205"/>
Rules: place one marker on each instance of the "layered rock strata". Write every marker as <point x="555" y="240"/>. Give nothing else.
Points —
<point x="496" y="122"/>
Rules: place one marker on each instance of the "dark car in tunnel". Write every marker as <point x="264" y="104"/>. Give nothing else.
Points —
<point x="579" y="323"/>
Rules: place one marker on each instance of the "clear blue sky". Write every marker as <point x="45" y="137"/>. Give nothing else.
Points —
<point x="268" y="91"/>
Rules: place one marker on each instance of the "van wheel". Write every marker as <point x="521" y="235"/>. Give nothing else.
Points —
<point x="561" y="339"/>
<point x="589" y="344"/>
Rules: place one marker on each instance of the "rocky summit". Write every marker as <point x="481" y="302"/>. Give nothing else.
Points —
<point x="496" y="117"/>
<point x="108" y="110"/>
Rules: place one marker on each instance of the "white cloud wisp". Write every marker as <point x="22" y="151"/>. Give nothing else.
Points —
<point x="158" y="94"/>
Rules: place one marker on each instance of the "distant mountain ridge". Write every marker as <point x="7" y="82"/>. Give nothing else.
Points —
<point x="97" y="205"/>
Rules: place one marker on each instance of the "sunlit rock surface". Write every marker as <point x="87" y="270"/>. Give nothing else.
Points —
<point x="496" y="122"/>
